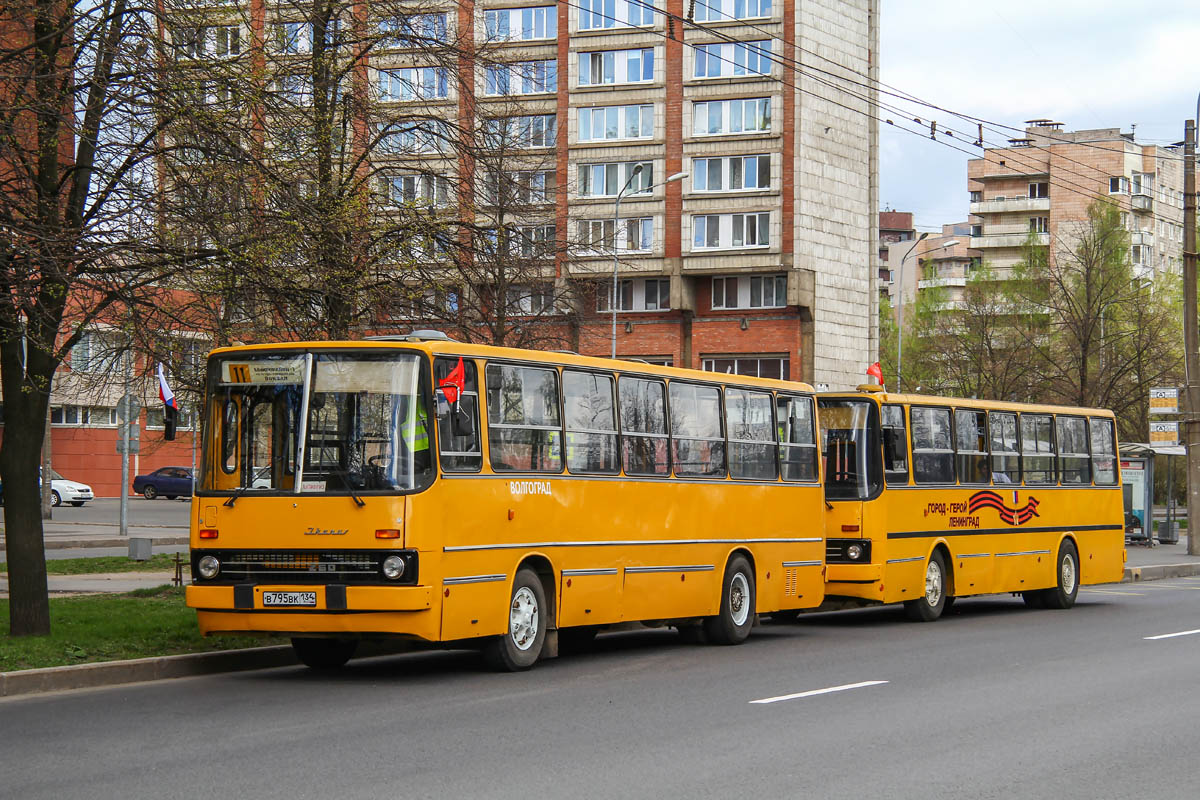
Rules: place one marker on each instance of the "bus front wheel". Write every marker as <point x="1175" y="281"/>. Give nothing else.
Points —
<point x="930" y="606"/>
<point x="520" y="647"/>
<point x="324" y="654"/>
<point x="732" y="625"/>
<point x="1063" y="595"/>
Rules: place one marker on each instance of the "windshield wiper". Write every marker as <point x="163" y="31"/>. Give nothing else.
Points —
<point x="344" y="474"/>
<point x="238" y="492"/>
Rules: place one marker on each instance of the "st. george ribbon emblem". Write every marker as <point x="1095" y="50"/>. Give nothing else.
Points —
<point x="1013" y="516"/>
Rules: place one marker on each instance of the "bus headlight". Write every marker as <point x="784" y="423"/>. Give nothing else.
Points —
<point x="393" y="567"/>
<point x="854" y="552"/>
<point x="208" y="567"/>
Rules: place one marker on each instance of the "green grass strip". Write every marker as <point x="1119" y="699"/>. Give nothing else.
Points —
<point x="113" y="627"/>
<point x="160" y="562"/>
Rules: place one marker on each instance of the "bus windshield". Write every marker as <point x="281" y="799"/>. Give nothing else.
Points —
<point x="361" y="417"/>
<point x="850" y="447"/>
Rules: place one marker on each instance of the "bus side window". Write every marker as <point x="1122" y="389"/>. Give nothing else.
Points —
<point x="1104" y="452"/>
<point x="458" y="444"/>
<point x="752" y="448"/>
<point x="933" y="451"/>
<point x="697" y="443"/>
<point x="591" y="421"/>
<point x="970" y="433"/>
<point x="229" y="435"/>
<point x="643" y="426"/>
<point x="1074" y="461"/>
<point x="895" y="445"/>
<point x="797" y="438"/>
<point x="524" y="429"/>
<point x="1006" y="462"/>
<point x="1037" y="448"/>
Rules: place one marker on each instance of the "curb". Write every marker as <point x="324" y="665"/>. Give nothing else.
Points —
<point x="114" y="673"/>
<point x="1158" y="572"/>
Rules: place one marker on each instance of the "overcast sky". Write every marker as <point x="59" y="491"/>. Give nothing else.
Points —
<point x="1096" y="64"/>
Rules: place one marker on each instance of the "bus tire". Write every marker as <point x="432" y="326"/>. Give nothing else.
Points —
<point x="1033" y="599"/>
<point x="324" y="654"/>
<point x="520" y="647"/>
<point x="930" y="605"/>
<point x="1063" y="595"/>
<point x="733" y="623"/>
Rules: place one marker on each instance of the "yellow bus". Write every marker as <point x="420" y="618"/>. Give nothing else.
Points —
<point x="933" y="498"/>
<point x="420" y="488"/>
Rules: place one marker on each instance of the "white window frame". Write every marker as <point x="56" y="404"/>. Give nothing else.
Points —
<point x="521" y="78"/>
<point x="424" y="188"/>
<point x="732" y="60"/>
<point x="752" y="291"/>
<point x="525" y="24"/>
<point x="595" y="15"/>
<point x="415" y="30"/>
<point x="523" y="131"/>
<point x="596" y="235"/>
<point x="614" y="175"/>
<point x="598" y="117"/>
<point x="727" y="10"/>
<point x="727" y="227"/>
<point x="633" y="295"/>
<point x="616" y="64"/>
<point x="701" y="111"/>
<point x="727" y="168"/>
<point x="405" y="84"/>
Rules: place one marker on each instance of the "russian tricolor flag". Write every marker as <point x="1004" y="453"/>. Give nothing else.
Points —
<point x="164" y="391"/>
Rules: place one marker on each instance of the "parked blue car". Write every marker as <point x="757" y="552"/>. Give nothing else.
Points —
<point x="170" y="482"/>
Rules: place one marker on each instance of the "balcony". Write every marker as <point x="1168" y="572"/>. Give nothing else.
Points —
<point x="1144" y="238"/>
<point x="1011" y="205"/>
<point x="1141" y="202"/>
<point x="938" y="283"/>
<point x="1007" y="240"/>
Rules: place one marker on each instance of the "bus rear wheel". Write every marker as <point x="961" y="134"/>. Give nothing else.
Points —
<point x="520" y="647"/>
<point x="324" y="654"/>
<point x="733" y="623"/>
<point x="1063" y="595"/>
<point x="930" y="606"/>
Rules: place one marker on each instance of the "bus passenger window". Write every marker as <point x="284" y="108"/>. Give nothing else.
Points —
<point x="751" y="434"/>
<point x="1104" y="452"/>
<point x="643" y="427"/>
<point x="851" y="449"/>
<point x="458" y="440"/>
<point x="895" y="445"/>
<point x="1037" y="448"/>
<point x="697" y="445"/>
<point x="933" y="455"/>
<point x="970" y="438"/>
<point x="524" y="432"/>
<point x="591" y="418"/>
<point x="1006" y="461"/>
<point x="797" y="438"/>
<point x="1074" y="462"/>
<point x="229" y="435"/>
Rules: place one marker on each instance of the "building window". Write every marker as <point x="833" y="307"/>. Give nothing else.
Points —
<point x="520" y="187"/>
<point x="94" y="416"/>
<point x="1038" y="190"/>
<point x="293" y="38"/>
<point x="414" y="83"/>
<point x="1142" y="255"/>
<point x="727" y="60"/>
<point x="749" y="291"/>
<point x="724" y="231"/>
<point x="976" y="197"/>
<point x="155" y="415"/>
<point x="531" y="300"/>
<point x="733" y="174"/>
<point x="720" y="10"/>
<point x="417" y="136"/>
<point x="1039" y="224"/>
<point x="520" y="24"/>
<point x="1142" y="183"/>
<point x="521" y="132"/>
<point x="977" y="230"/>
<point x="431" y="190"/>
<point x="97" y="352"/>
<point x="752" y="115"/>
<point x="616" y="122"/>
<point x="525" y="241"/>
<point x="1118" y="185"/>
<point x="607" y="180"/>
<point x="638" y="294"/>
<point x="415" y="30"/>
<point x="599" y="14"/>
<point x="632" y="235"/>
<point x="616" y="66"/>
<point x="757" y="366"/>
<point x="524" y="77"/>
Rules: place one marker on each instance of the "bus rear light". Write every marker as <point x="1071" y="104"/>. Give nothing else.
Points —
<point x="208" y="533"/>
<point x="387" y="533"/>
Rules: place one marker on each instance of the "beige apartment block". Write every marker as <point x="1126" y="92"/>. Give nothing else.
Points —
<point x="1045" y="180"/>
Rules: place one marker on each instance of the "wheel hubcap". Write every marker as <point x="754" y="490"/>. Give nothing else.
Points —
<point x="933" y="583"/>
<point x="523" y="619"/>
<point x="1068" y="574"/>
<point x="739" y="599"/>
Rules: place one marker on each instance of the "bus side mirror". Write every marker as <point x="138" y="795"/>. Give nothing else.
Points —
<point x="170" y="416"/>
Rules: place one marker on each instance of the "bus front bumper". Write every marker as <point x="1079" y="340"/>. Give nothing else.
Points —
<point x="302" y="598"/>
<point x="853" y="573"/>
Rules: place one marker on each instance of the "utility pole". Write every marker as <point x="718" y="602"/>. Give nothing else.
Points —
<point x="1191" y="339"/>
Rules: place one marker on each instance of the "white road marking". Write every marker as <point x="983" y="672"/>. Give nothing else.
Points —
<point x="815" y="692"/>
<point x="1170" y="635"/>
<point x="1111" y="591"/>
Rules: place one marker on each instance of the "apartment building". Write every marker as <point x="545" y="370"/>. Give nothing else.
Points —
<point x="944" y="262"/>
<point x="1044" y="181"/>
<point x="758" y="260"/>
<point x="896" y="239"/>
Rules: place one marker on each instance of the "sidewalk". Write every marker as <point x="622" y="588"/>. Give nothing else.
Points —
<point x="61" y="535"/>
<point x="99" y="583"/>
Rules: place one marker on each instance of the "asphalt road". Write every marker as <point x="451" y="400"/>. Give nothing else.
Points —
<point x="107" y="511"/>
<point x="995" y="701"/>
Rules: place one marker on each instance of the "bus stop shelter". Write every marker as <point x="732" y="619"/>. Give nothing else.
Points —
<point x="1137" y="484"/>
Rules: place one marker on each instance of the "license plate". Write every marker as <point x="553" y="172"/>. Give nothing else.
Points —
<point x="290" y="599"/>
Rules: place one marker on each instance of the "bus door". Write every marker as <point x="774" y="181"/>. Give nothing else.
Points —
<point x="853" y="485"/>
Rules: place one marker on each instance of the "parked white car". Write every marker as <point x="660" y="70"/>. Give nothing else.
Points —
<point x="67" y="491"/>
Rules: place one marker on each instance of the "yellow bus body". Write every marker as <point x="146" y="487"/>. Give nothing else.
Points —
<point x="612" y="548"/>
<point x="906" y="523"/>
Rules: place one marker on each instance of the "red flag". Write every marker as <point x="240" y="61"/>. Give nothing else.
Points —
<point x="876" y="371"/>
<point x="454" y="383"/>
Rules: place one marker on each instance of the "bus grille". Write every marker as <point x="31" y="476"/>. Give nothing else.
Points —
<point x="790" y="579"/>
<point x="305" y="566"/>
<point x="837" y="551"/>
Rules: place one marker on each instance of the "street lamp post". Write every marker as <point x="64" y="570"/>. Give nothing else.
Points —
<point x="900" y="308"/>
<point x="612" y="301"/>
